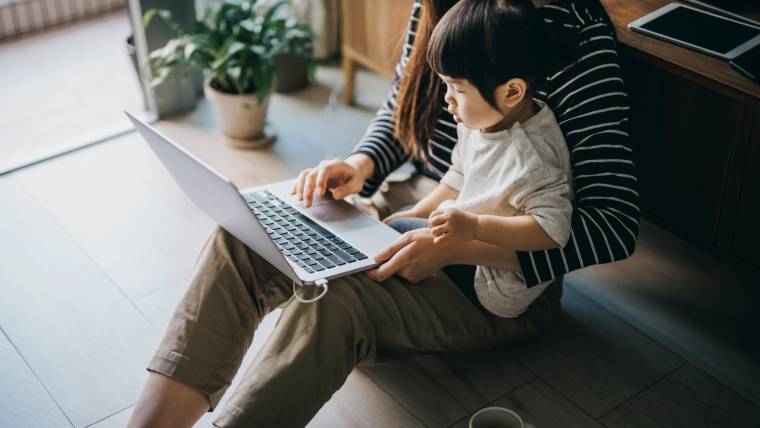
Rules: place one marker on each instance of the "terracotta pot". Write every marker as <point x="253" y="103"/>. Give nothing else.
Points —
<point x="241" y="116"/>
<point x="292" y="73"/>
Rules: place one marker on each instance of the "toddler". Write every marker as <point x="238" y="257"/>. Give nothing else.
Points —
<point x="510" y="181"/>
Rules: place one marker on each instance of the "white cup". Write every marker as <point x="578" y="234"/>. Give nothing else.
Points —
<point x="496" y="417"/>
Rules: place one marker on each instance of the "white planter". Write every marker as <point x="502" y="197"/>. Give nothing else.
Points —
<point x="241" y="116"/>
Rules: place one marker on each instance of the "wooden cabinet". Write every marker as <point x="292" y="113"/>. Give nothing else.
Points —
<point x="688" y="141"/>
<point x="746" y="236"/>
<point x="695" y="128"/>
<point x="373" y="35"/>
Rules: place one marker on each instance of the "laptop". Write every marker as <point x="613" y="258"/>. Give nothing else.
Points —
<point x="311" y="245"/>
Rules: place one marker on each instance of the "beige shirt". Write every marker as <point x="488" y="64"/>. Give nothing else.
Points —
<point x="521" y="170"/>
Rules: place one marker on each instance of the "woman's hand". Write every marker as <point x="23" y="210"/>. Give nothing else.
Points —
<point x="341" y="177"/>
<point x="413" y="256"/>
<point x="452" y="224"/>
<point x="402" y="214"/>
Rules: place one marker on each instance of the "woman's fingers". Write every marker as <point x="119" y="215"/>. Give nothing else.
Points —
<point x="335" y="173"/>
<point x="322" y="176"/>
<point x="300" y="181"/>
<point x="392" y="249"/>
<point x="308" y="188"/>
<point x="387" y="269"/>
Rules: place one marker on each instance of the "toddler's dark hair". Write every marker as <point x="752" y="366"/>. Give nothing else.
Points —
<point x="488" y="42"/>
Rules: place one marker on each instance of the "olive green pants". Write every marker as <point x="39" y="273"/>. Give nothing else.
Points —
<point x="314" y="347"/>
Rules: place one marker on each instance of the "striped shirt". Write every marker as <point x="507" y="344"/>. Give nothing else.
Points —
<point x="590" y="102"/>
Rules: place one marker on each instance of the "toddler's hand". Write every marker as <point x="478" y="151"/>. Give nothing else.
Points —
<point x="452" y="223"/>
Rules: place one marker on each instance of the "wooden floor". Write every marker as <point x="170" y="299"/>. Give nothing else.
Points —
<point x="97" y="246"/>
<point x="60" y="90"/>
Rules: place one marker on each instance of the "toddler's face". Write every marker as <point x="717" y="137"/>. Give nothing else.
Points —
<point x="467" y="105"/>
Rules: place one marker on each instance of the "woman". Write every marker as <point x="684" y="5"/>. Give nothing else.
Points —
<point x="369" y="317"/>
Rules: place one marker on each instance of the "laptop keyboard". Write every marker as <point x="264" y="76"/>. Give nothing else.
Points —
<point x="299" y="238"/>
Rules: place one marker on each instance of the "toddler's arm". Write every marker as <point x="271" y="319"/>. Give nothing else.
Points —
<point x="520" y="233"/>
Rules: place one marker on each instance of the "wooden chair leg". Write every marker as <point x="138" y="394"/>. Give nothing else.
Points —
<point x="349" y="70"/>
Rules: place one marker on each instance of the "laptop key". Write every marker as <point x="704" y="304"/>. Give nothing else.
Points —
<point x="337" y="260"/>
<point x="318" y="267"/>
<point x="326" y="263"/>
<point x="345" y="256"/>
<point x="360" y="256"/>
<point x="312" y="224"/>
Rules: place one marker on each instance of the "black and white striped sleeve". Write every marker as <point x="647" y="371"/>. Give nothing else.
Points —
<point x="590" y="102"/>
<point x="378" y="142"/>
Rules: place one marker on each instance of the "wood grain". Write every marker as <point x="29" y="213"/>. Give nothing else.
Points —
<point x="412" y="383"/>
<point x="747" y="234"/>
<point x="594" y="359"/>
<point x="685" y="137"/>
<point x="703" y="308"/>
<point x="539" y="404"/>
<point x="441" y="388"/>
<point x="362" y="404"/>
<point x="307" y="126"/>
<point x="702" y="69"/>
<point x="688" y="398"/>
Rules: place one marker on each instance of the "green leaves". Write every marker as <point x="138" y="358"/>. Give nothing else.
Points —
<point x="235" y="43"/>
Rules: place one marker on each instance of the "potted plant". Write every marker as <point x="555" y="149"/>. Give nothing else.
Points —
<point x="294" y="62"/>
<point x="235" y="43"/>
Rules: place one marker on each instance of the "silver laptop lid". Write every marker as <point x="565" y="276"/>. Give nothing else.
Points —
<point x="213" y="193"/>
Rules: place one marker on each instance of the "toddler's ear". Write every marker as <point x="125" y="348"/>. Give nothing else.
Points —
<point x="512" y="92"/>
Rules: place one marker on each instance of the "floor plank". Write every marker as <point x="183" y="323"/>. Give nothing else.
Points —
<point x="56" y="96"/>
<point x="118" y="420"/>
<point x="700" y="307"/>
<point x="118" y="203"/>
<point x="81" y="336"/>
<point x="360" y="403"/>
<point x="539" y="404"/>
<point x="594" y="359"/>
<point x="486" y="375"/>
<point x="411" y="381"/>
<point x="688" y="398"/>
<point x="309" y="128"/>
<point x="440" y="389"/>
<point x="23" y="400"/>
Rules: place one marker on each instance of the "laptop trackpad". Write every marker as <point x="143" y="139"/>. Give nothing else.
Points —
<point x="340" y="217"/>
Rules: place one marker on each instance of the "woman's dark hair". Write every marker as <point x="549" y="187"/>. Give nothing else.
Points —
<point x="486" y="42"/>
